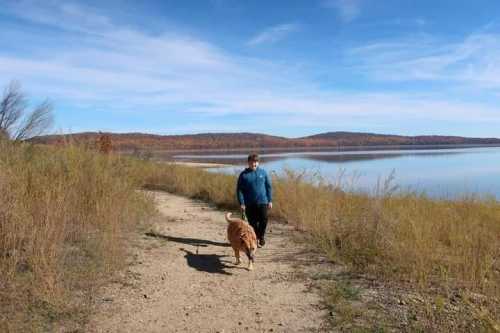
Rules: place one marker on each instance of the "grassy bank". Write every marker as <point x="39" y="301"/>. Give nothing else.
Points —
<point x="63" y="217"/>
<point x="447" y="245"/>
<point x="64" y="214"/>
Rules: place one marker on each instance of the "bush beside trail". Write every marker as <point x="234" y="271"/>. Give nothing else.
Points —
<point x="64" y="215"/>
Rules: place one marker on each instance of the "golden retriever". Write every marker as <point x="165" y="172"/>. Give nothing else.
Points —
<point x="242" y="238"/>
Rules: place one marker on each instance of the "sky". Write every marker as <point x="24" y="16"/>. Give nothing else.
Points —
<point x="287" y="68"/>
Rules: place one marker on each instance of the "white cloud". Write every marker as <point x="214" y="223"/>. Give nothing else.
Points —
<point x="273" y="34"/>
<point x="473" y="61"/>
<point x="68" y="15"/>
<point x="348" y="10"/>
<point x="127" y="71"/>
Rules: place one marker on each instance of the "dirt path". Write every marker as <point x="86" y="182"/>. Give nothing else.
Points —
<point x="184" y="280"/>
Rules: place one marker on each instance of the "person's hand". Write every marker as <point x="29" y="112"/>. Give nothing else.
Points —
<point x="270" y="205"/>
<point x="242" y="207"/>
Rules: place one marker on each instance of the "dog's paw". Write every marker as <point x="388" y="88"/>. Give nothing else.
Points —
<point x="237" y="262"/>
<point x="250" y="266"/>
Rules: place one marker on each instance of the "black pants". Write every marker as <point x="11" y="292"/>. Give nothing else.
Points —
<point x="257" y="217"/>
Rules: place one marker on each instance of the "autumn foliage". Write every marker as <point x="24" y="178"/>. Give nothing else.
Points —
<point x="103" y="143"/>
<point x="141" y="141"/>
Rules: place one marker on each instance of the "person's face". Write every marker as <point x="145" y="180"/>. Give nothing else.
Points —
<point x="253" y="164"/>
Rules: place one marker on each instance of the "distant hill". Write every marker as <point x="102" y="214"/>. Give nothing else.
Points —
<point x="141" y="141"/>
<point x="129" y="141"/>
<point x="371" y="139"/>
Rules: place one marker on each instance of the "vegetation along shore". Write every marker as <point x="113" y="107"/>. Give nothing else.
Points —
<point x="65" y="214"/>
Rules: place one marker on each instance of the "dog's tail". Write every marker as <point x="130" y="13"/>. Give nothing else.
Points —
<point x="229" y="219"/>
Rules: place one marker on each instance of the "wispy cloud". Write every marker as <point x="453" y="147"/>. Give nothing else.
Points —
<point x="129" y="72"/>
<point x="348" y="10"/>
<point x="475" y="60"/>
<point x="68" y="15"/>
<point x="273" y="34"/>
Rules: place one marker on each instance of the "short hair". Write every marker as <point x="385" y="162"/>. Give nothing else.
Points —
<point x="253" y="157"/>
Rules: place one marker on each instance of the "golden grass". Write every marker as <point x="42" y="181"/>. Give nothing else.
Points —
<point x="408" y="235"/>
<point x="63" y="216"/>
<point x="192" y="182"/>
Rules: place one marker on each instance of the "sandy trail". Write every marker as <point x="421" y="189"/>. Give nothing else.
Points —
<point x="184" y="280"/>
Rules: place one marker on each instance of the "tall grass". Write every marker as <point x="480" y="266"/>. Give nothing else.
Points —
<point x="64" y="213"/>
<point x="398" y="235"/>
<point x="192" y="182"/>
<point x="407" y="235"/>
<point x="63" y="217"/>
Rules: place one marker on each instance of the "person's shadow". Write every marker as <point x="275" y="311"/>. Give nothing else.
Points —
<point x="210" y="263"/>
<point x="186" y="240"/>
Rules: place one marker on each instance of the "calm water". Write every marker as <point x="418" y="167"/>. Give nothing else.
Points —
<point x="438" y="172"/>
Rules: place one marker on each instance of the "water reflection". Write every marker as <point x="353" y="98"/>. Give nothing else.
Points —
<point x="239" y="157"/>
<point x="438" y="172"/>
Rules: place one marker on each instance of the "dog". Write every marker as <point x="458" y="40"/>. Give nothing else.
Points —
<point x="242" y="238"/>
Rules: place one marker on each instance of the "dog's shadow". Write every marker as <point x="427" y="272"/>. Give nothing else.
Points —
<point x="210" y="263"/>
<point x="187" y="241"/>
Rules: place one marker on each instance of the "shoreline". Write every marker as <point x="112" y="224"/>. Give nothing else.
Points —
<point x="346" y="148"/>
<point x="203" y="165"/>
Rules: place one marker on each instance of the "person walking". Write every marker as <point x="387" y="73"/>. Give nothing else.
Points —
<point x="254" y="193"/>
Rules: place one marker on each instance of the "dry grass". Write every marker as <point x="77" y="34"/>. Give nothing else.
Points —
<point x="192" y="182"/>
<point x="63" y="214"/>
<point x="403" y="237"/>
<point x="408" y="236"/>
<point x="63" y="217"/>
<point x="440" y="245"/>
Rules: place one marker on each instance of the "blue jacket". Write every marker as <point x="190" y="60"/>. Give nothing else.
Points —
<point x="254" y="187"/>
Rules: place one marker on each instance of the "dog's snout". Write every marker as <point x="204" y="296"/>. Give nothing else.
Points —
<point x="252" y="253"/>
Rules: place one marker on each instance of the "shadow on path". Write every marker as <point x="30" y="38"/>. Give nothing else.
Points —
<point x="188" y="241"/>
<point x="210" y="263"/>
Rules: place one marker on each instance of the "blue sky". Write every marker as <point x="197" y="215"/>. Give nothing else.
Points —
<point x="289" y="68"/>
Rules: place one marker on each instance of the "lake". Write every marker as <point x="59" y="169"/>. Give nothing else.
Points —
<point x="438" y="171"/>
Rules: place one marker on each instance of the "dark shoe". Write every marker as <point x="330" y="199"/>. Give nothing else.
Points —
<point x="262" y="242"/>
